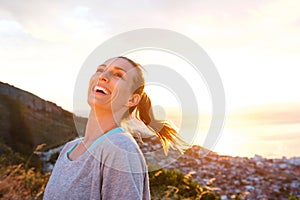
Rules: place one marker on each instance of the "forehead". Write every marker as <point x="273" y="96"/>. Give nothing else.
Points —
<point x="120" y="63"/>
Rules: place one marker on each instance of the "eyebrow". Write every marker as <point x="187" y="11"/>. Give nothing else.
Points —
<point x="114" y="67"/>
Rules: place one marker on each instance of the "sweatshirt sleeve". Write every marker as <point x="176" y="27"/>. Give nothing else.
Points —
<point x="124" y="172"/>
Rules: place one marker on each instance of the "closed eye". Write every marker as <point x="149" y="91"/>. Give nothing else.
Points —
<point x="118" y="74"/>
<point x="100" y="69"/>
<point x="114" y="71"/>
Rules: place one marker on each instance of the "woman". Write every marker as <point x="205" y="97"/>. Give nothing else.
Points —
<point x="107" y="163"/>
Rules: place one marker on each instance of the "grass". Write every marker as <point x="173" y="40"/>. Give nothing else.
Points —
<point x="18" y="179"/>
<point x="17" y="182"/>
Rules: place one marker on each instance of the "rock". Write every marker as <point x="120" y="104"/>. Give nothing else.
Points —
<point x="259" y="164"/>
<point x="283" y="166"/>
<point x="249" y="187"/>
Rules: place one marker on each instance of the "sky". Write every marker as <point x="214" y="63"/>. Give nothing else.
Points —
<point x="253" y="44"/>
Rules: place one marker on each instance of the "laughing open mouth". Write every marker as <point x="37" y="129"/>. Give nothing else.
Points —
<point x="101" y="90"/>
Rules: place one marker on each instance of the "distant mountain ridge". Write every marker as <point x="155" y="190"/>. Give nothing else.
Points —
<point x="26" y="121"/>
<point x="32" y="101"/>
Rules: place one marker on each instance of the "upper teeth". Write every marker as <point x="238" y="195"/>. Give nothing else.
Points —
<point x="102" y="89"/>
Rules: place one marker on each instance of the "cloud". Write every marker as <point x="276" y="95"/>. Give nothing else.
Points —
<point x="287" y="135"/>
<point x="268" y="114"/>
<point x="221" y="23"/>
<point x="56" y="32"/>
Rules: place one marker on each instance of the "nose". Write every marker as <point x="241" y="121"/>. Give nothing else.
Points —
<point x="103" y="77"/>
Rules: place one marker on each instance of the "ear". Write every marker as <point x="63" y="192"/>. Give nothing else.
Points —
<point x="134" y="100"/>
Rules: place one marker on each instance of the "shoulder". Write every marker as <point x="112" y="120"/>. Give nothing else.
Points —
<point x="121" y="152"/>
<point x="123" y="140"/>
<point x="117" y="144"/>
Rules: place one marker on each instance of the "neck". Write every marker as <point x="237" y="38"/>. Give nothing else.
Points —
<point x="99" y="123"/>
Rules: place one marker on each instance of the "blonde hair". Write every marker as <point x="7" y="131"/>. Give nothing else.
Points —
<point x="143" y="112"/>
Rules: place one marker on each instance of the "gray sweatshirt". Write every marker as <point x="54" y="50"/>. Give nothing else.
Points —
<point x="113" y="167"/>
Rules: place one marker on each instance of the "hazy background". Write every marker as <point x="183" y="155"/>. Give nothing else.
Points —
<point x="254" y="45"/>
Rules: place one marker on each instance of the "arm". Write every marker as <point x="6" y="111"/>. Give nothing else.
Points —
<point x="124" y="172"/>
<point x="124" y="185"/>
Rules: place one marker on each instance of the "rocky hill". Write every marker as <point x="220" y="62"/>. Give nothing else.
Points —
<point x="230" y="177"/>
<point x="27" y="121"/>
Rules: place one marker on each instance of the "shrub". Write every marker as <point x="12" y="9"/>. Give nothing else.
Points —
<point x="8" y="156"/>
<point x="293" y="197"/>
<point x="172" y="184"/>
<point x="16" y="182"/>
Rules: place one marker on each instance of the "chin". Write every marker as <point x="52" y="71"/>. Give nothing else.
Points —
<point x="98" y="105"/>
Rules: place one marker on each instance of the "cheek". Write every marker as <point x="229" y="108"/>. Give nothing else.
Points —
<point x="92" y="82"/>
<point x="122" y="92"/>
<point x="94" y="78"/>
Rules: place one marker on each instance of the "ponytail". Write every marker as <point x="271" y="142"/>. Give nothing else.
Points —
<point x="163" y="129"/>
<point x="143" y="113"/>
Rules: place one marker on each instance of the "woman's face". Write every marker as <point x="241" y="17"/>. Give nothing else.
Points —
<point x="112" y="85"/>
